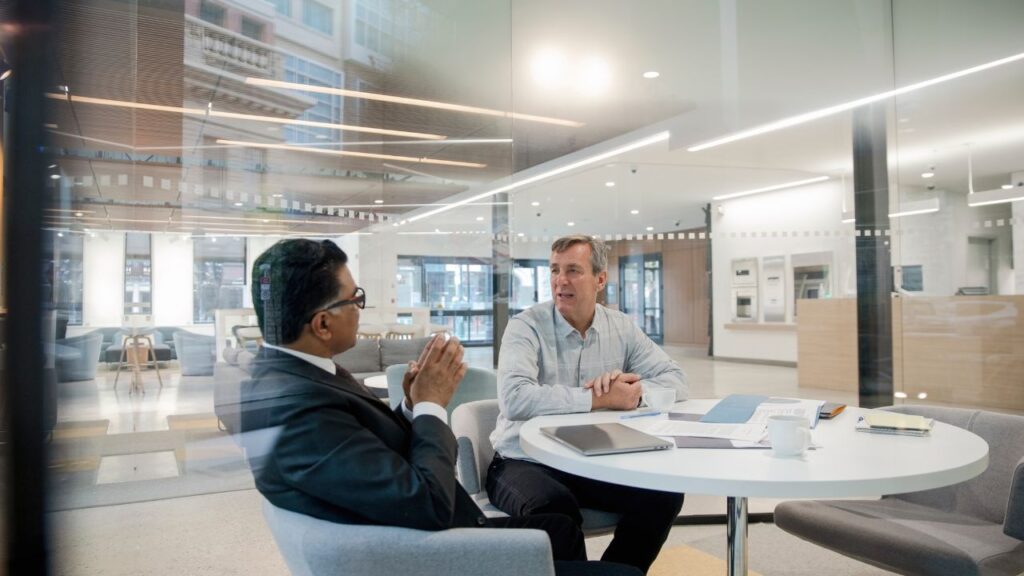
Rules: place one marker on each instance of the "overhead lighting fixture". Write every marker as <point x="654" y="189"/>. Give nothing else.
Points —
<point x="793" y="184"/>
<point x="928" y="173"/>
<point x="278" y="195"/>
<point x="640" y="143"/>
<point x="997" y="196"/>
<point x="5" y="70"/>
<point x="634" y="212"/>
<point x="79" y="214"/>
<point x="412" y="102"/>
<point x="534" y="203"/>
<point x="521" y="234"/>
<point x="209" y="111"/>
<point x="610" y="184"/>
<point x="848" y="220"/>
<point x="55" y="176"/>
<point x="651" y="74"/>
<point x="570" y="223"/>
<point x="829" y="111"/>
<point x="479" y="218"/>
<point x="1007" y="186"/>
<point x="916" y="208"/>
<point x="378" y="201"/>
<point x="650" y="228"/>
<point x="423" y="160"/>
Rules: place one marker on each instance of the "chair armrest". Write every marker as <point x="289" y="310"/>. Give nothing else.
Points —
<point x="1013" y="526"/>
<point x="481" y="551"/>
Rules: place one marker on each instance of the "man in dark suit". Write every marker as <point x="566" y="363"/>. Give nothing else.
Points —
<point x="338" y="452"/>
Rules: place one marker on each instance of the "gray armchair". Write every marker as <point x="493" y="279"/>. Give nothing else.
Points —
<point x="477" y="384"/>
<point x="975" y="528"/>
<point x="76" y="358"/>
<point x="472" y="424"/>
<point x="311" y="546"/>
<point x="195" y="353"/>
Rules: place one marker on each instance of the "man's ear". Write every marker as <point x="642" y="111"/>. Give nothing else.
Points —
<point x="321" y="327"/>
<point x="602" y="279"/>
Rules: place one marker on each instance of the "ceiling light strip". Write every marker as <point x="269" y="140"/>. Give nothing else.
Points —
<point x="238" y="116"/>
<point x="658" y="137"/>
<point x="423" y="160"/>
<point x="913" y="212"/>
<point x="823" y="112"/>
<point x="413" y="102"/>
<point x="997" y="196"/>
<point x="771" y="188"/>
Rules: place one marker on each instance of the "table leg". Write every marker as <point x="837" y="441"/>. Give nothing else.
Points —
<point x="736" y="529"/>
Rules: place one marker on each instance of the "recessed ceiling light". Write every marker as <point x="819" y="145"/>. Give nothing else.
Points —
<point x="264" y="221"/>
<point x="571" y="223"/>
<point x="60" y="234"/>
<point x="479" y="218"/>
<point x="610" y="184"/>
<point x="771" y="188"/>
<point x="651" y="74"/>
<point x="213" y="239"/>
<point x="52" y="166"/>
<point x="414" y="159"/>
<point x="55" y="176"/>
<point x="1006" y="186"/>
<point x="80" y="214"/>
<point x="650" y="228"/>
<point x="927" y="174"/>
<point x="521" y="234"/>
<point x="378" y="201"/>
<point x="534" y="203"/>
<point x="634" y="212"/>
<point x="278" y="195"/>
<point x="238" y="203"/>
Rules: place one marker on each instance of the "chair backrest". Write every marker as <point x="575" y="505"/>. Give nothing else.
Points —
<point x="311" y="546"/>
<point x="477" y="384"/>
<point x="987" y="496"/>
<point x="472" y="424"/>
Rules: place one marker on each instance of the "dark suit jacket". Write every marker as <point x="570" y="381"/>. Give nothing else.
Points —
<point x="341" y="454"/>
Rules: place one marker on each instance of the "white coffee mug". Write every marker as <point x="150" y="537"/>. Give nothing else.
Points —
<point x="659" y="398"/>
<point x="790" y="436"/>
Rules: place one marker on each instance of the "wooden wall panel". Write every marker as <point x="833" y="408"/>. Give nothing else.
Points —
<point x="827" y="344"/>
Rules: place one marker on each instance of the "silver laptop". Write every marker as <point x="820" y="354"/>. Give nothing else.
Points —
<point x="608" y="438"/>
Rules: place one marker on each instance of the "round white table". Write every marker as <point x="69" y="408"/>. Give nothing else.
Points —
<point x="380" y="382"/>
<point x="848" y="464"/>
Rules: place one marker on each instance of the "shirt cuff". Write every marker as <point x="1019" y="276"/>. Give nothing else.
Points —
<point x="582" y="400"/>
<point x="428" y="408"/>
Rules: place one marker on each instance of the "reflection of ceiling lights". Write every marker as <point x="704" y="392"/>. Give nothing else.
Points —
<point x="1007" y="186"/>
<point x="930" y="173"/>
<point x="600" y="157"/>
<point x="570" y="223"/>
<point x="534" y="203"/>
<point x="551" y="70"/>
<point x="916" y="208"/>
<point x="651" y="74"/>
<point x="770" y="188"/>
<point x="209" y="111"/>
<point x="829" y="111"/>
<point x="650" y="228"/>
<point x="634" y="212"/>
<point x="412" y="102"/>
<point x="423" y="160"/>
<point x="610" y="184"/>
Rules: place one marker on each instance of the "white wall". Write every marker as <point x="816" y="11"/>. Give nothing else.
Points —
<point x="1018" y="239"/>
<point x="795" y="221"/>
<point x="172" y="280"/>
<point x="103" y="279"/>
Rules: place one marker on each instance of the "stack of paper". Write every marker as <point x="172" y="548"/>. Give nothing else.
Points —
<point x="894" y="423"/>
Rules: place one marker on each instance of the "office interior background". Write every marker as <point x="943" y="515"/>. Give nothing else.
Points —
<point x="814" y="199"/>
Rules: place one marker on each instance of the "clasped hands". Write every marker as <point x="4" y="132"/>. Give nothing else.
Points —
<point x="435" y="376"/>
<point x="615" y="390"/>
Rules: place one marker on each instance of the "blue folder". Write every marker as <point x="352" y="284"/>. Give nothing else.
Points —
<point x="734" y="409"/>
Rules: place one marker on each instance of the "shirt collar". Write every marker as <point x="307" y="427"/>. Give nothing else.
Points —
<point x="564" y="329"/>
<point x="325" y="364"/>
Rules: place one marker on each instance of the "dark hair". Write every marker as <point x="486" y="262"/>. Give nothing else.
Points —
<point x="290" y="281"/>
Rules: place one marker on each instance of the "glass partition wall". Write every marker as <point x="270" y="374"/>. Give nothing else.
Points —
<point x="800" y="199"/>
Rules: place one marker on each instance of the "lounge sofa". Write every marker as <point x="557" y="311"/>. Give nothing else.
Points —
<point x="76" y="358"/>
<point x="195" y="353"/>
<point x="369" y="357"/>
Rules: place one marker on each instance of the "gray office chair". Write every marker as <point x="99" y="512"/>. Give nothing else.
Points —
<point x="311" y="546"/>
<point x="974" y="528"/>
<point x="477" y="384"/>
<point x="472" y="424"/>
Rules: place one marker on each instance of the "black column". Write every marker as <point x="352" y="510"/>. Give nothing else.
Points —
<point x="874" y="271"/>
<point x="501" y="267"/>
<point x="25" y="192"/>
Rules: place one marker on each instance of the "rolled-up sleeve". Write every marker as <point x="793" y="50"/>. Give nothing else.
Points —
<point x="520" y="395"/>
<point x="654" y="366"/>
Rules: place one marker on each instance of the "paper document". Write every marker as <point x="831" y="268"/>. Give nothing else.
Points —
<point x="749" y="432"/>
<point x="787" y="407"/>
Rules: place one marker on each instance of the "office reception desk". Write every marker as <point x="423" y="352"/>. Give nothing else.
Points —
<point x="955" y="349"/>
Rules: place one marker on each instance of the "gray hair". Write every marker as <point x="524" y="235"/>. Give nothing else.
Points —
<point x="598" y="249"/>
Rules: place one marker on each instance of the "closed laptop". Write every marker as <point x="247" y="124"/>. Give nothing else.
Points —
<point x="607" y="438"/>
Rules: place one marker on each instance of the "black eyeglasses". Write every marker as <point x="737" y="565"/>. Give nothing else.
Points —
<point x="359" y="299"/>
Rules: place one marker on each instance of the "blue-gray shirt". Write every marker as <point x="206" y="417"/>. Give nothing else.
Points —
<point x="544" y="363"/>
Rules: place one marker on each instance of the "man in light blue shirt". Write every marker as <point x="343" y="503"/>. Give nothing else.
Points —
<point x="572" y="355"/>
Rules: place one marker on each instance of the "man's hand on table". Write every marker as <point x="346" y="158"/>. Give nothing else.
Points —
<point x="615" y="390"/>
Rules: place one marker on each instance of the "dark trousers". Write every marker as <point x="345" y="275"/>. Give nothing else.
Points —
<point x="567" y="547"/>
<point x="521" y="488"/>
